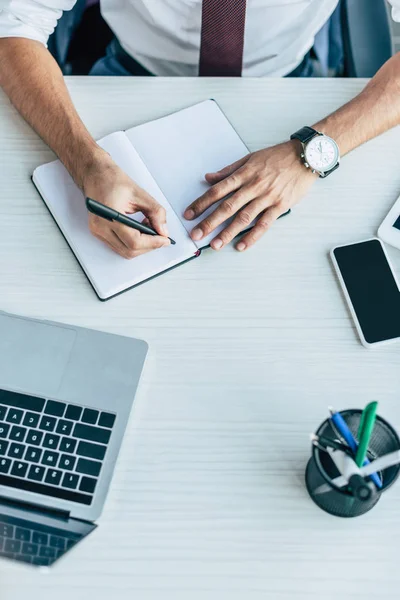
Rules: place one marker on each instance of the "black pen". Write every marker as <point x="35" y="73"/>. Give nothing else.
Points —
<point x="113" y="215"/>
<point x="325" y="443"/>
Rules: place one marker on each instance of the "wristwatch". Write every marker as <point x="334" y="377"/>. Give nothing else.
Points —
<point x="320" y="152"/>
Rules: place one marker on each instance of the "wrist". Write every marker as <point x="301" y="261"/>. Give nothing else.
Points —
<point x="84" y="159"/>
<point x="295" y="150"/>
<point x="96" y="164"/>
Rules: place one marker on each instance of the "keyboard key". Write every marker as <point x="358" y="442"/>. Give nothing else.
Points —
<point x="21" y="401"/>
<point x="22" y="558"/>
<point x="88" y="467"/>
<point x="90" y="416"/>
<point x="57" y="542"/>
<point x="16" y="450"/>
<point x="40" y="538"/>
<point x="67" y="462"/>
<point x="51" y="441"/>
<point x="70" y="543"/>
<point x="17" y="433"/>
<point x="55" y="408"/>
<point x="9" y="555"/>
<point x="5" y="464"/>
<point x="3" y="410"/>
<point x="3" y="447"/>
<point x="31" y="549"/>
<point x="34" y="437"/>
<point x="47" y="552"/>
<point x="31" y="419"/>
<point x="47" y="423"/>
<point x="4" y="429"/>
<point x="24" y="535"/>
<point x="93" y="434"/>
<point x="91" y="450"/>
<point x="70" y="481"/>
<point x="36" y="473"/>
<point x="12" y="546"/>
<point x="88" y="485"/>
<point x="33" y="454"/>
<point x="106" y="420"/>
<point x="53" y="476"/>
<point x="6" y="530"/>
<point x="50" y="458"/>
<point x="67" y="445"/>
<point x="64" y="427"/>
<point x="40" y="561"/>
<point x="73" y="412"/>
<point x="19" y="468"/>
<point x="14" y="416"/>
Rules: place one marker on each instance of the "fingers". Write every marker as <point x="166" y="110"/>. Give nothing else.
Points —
<point x="242" y="221"/>
<point x="112" y="241"/>
<point x="146" y="222"/>
<point x="266" y="220"/>
<point x="214" y="194"/>
<point x="123" y="240"/>
<point x="155" y="213"/>
<point x="136" y="241"/>
<point x="227" y="209"/>
<point x="223" y="173"/>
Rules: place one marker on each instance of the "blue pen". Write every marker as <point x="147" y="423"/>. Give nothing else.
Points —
<point x="348" y="437"/>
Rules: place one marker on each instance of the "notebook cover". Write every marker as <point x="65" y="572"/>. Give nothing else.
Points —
<point x="83" y="270"/>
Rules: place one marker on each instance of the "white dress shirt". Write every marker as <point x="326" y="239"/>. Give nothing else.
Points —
<point x="164" y="35"/>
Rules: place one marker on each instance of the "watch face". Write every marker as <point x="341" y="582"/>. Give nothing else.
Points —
<point x="321" y="153"/>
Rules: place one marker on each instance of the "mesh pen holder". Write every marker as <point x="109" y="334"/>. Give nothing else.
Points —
<point x="321" y="470"/>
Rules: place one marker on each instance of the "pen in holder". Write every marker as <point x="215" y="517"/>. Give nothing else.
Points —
<point x="321" y="470"/>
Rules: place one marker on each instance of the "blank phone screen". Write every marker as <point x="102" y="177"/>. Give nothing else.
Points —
<point x="372" y="288"/>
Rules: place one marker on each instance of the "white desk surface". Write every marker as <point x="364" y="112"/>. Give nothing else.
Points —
<point x="247" y="352"/>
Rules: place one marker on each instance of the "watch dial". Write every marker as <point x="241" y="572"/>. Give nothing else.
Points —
<point x="321" y="153"/>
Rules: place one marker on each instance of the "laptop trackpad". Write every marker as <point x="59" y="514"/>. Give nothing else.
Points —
<point x="33" y="355"/>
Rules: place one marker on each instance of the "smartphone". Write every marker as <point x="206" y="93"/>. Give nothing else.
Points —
<point x="371" y="290"/>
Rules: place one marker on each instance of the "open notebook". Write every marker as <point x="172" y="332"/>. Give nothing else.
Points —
<point x="167" y="157"/>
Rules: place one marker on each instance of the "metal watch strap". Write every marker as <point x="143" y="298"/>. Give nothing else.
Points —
<point x="304" y="134"/>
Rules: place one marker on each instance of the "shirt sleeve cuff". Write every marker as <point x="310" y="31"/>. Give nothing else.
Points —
<point x="11" y="26"/>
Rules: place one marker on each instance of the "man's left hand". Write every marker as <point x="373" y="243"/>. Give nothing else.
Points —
<point x="261" y="186"/>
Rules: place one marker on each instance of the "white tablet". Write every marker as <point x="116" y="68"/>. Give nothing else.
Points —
<point x="389" y="231"/>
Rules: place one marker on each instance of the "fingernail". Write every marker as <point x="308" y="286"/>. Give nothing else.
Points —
<point x="166" y="242"/>
<point x="217" y="244"/>
<point x="189" y="214"/>
<point x="164" y="229"/>
<point x="197" y="234"/>
<point x="241" y="246"/>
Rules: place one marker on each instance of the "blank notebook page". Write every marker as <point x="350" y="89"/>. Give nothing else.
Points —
<point x="108" y="272"/>
<point x="181" y="148"/>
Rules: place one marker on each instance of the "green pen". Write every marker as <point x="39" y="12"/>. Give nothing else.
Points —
<point x="365" y="430"/>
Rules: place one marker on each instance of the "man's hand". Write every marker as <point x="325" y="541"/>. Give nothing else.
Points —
<point x="262" y="185"/>
<point x="108" y="184"/>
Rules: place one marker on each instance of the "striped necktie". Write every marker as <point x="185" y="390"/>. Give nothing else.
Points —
<point x="222" y="38"/>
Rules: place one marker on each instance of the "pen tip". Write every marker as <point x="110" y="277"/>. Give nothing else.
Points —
<point x="331" y="410"/>
<point x="313" y="437"/>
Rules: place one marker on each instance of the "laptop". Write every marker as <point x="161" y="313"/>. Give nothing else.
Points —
<point x="65" y="398"/>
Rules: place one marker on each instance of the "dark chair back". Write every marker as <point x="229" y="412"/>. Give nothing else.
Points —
<point x="367" y="37"/>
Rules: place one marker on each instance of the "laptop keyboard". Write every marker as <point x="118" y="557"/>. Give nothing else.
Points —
<point x="33" y="543"/>
<point x="52" y="448"/>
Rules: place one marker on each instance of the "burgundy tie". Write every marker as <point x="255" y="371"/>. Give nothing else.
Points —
<point x="222" y="38"/>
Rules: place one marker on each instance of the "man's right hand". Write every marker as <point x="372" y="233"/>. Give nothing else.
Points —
<point x="105" y="182"/>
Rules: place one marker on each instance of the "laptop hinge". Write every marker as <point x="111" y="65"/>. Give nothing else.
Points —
<point x="62" y="515"/>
